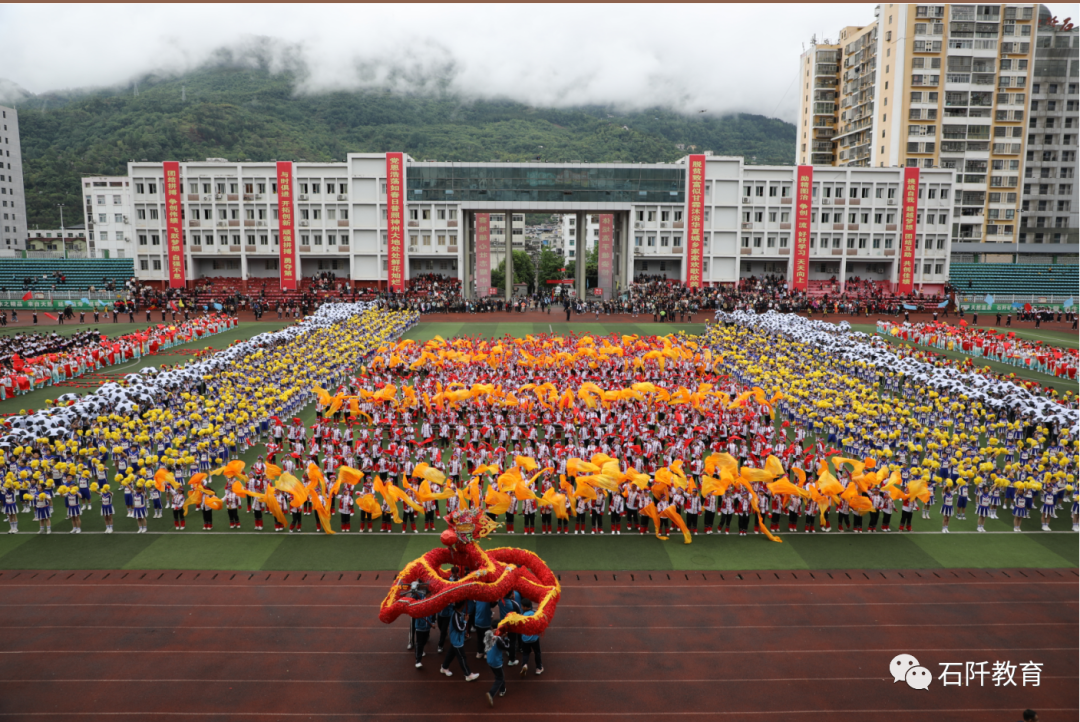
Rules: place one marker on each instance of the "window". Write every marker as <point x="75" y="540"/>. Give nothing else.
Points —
<point x="155" y="239"/>
<point x="140" y="214"/>
<point x="264" y="240"/>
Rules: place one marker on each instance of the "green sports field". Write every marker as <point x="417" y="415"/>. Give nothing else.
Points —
<point x="269" y="550"/>
<point x="246" y="549"/>
<point x="36" y="399"/>
<point x="1002" y="368"/>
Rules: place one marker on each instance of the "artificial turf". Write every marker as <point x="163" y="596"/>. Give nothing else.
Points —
<point x="281" y="551"/>
<point x="995" y="366"/>
<point x="171" y="356"/>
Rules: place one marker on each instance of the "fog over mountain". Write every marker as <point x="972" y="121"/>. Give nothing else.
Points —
<point x="712" y="57"/>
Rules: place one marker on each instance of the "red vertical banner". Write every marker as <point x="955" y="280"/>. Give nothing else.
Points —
<point x="287" y="237"/>
<point x="695" y="212"/>
<point x="483" y="255"/>
<point x="605" y="256"/>
<point x="804" y="203"/>
<point x="909" y="213"/>
<point x="173" y="225"/>
<point x="395" y="221"/>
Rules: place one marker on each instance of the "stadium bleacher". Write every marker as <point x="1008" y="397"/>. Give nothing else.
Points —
<point x="1001" y="278"/>
<point x="80" y="274"/>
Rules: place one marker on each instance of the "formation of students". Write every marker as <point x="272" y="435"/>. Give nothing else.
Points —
<point x="989" y="344"/>
<point x="664" y="409"/>
<point x="90" y="351"/>
<point x="187" y="420"/>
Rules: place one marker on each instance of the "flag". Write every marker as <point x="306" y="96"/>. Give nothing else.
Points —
<point x="989" y="300"/>
<point x="28" y="295"/>
<point x="1068" y="302"/>
<point x="217" y="306"/>
<point x="49" y="315"/>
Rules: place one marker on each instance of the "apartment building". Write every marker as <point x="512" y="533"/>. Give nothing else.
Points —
<point x="108" y="215"/>
<point x="12" y="191"/>
<point x="1049" y="211"/>
<point x="568" y="235"/>
<point x="953" y="87"/>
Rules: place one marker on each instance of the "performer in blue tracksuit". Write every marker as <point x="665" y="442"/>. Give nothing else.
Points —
<point x="494" y="646"/>
<point x="530" y="643"/>
<point x="459" y="625"/>
<point x="482" y="623"/>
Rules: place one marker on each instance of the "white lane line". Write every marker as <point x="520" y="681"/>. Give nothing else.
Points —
<point x="808" y="626"/>
<point x="574" y="606"/>
<point x="546" y="680"/>
<point x="871" y="713"/>
<point x="364" y="653"/>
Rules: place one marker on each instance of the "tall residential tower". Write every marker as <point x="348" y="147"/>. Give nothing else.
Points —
<point x="987" y="91"/>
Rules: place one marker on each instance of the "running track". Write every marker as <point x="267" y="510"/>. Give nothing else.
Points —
<point x="751" y="645"/>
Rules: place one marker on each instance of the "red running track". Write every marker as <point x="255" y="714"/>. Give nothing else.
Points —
<point x="750" y="645"/>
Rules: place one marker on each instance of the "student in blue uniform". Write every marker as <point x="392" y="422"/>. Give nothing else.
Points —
<point x="459" y="625"/>
<point x="482" y="623"/>
<point x="494" y="646"/>
<point x="530" y="643"/>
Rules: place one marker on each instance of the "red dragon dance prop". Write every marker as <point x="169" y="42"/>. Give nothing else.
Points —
<point x="485" y="576"/>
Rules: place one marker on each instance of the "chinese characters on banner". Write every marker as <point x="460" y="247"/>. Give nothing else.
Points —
<point x="909" y="211"/>
<point x="173" y="227"/>
<point x="483" y="255"/>
<point x="395" y="221"/>
<point x="287" y="240"/>
<point x="605" y="254"/>
<point x="800" y="271"/>
<point x="695" y="202"/>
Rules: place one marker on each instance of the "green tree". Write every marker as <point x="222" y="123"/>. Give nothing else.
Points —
<point x="524" y="272"/>
<point x="551" y="265"/>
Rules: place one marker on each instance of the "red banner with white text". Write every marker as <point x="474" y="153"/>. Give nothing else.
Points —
<point x="483" y="255"/>
<point x="800" y="267"/>
<point x="605" y="256"/>
<point x="909" y="214"/>
<point x="695" y="212"/>
<point x="288" y="271"/>
<point x="174" y="225"/>
<point x="395" y="221"/>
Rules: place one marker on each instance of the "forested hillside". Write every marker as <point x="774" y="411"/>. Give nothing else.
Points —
<point x="243" y="113"/>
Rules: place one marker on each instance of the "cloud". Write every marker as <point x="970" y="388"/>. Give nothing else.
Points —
<point x="715" y="57"/>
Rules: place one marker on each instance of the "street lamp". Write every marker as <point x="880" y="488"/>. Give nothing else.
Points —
<point x="63" y="239"/>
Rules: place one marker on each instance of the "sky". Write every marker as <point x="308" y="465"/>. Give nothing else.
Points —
<point x="714" y="57"/>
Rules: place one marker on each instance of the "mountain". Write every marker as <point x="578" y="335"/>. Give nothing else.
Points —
<point x="245" y="113"/>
